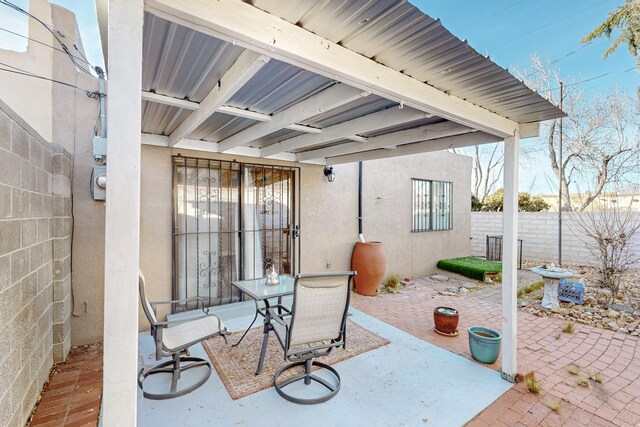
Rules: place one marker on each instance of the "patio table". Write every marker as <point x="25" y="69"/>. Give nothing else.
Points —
<point x="259" y="291"/>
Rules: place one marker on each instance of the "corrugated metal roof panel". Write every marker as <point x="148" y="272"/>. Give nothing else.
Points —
<point x="278" y="136"/>
<point x="220" y="126"/>
<point x="180" y="62"/>
<point x="397" y="34"/>
<point x="359" y="107"/>
<point x="185" y="64"/>
<point x="277" y="86"/>
<point x="161" y="119"/>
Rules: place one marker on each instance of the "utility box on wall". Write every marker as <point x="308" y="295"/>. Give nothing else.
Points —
<point x="99" y="182"/>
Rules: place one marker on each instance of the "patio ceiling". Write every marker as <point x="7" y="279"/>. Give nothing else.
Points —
<point x="388" y="80"/>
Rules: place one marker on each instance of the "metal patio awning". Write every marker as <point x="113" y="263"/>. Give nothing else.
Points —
<point x="321" y="81"/>
<point x="324" y="81"/>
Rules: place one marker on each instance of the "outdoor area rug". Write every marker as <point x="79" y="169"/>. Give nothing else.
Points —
<point x="236" y="366"/>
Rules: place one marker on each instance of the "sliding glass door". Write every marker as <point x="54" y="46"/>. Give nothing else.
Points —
<point x="231" y="221"/>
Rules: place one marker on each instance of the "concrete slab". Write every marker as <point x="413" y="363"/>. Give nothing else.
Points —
<point x="406" y="383"/>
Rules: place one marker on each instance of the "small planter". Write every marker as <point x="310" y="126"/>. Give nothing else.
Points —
<point x="484" y="344"/>
<point x="446" y="321"/>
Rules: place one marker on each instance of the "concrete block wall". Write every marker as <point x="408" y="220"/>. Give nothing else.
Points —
<point x="61" y="228"/>
<point x="539" y="231"/>
<point x="28" y="265"/>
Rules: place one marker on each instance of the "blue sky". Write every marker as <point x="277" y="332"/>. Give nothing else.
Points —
<point x="509" y="31"/>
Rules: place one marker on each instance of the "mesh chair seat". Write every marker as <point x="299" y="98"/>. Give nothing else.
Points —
<point x="191" y="332"/>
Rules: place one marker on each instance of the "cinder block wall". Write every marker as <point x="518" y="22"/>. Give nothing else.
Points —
<point x="35" y="289"/>
<point x="539" y="232"/>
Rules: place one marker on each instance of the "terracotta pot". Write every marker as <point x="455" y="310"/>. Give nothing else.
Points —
<point x="369" y="262"/>
<point x="446" y="320"/>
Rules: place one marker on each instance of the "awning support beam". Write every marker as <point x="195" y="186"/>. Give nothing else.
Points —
<point x="326" y="100"/>
<point x="458" y="141"/>
<point x="348" y="130"/>
<point x="422" y="133"/>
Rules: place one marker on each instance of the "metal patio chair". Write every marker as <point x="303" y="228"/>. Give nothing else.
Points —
<point x="316" y="325"/>
<point x="174" y="339"/>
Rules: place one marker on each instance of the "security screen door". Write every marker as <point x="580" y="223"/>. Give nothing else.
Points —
<point x="231" y="222"/>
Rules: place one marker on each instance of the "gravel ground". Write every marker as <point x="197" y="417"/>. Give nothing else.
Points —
<point x="622" y="315"/>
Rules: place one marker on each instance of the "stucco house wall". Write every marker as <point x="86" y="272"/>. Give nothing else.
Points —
<point x="31" y="98"/>
<point x="328" y="214"/>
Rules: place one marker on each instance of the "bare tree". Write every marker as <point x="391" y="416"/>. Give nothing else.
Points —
<point x="608" y="235"/>
<point x="487" y="170"/>
<point x="601" y="138"/>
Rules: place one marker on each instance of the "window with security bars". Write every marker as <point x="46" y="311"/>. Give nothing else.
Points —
<point x="431" y="205"/>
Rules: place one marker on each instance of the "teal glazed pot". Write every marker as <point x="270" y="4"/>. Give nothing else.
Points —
<point x="484" y="344"/>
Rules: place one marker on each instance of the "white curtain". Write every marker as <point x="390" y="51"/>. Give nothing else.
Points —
<point x="253" y="266"/>
<point x="198" y="215"/>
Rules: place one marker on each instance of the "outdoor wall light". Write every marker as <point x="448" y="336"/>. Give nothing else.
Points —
<point x="329" y="173"/>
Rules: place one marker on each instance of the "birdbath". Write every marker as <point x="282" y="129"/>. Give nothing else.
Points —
<point x="552" y="276"/>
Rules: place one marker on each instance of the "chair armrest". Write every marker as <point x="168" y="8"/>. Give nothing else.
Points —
<point x="159" y="324"/>
<point x="277" y="318"/>
<point x="200" y="300"/>
<point x="199" y="304"/>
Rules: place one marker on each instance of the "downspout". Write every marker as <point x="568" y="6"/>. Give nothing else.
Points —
<point x="103" y="116"/>
<point x="360" y="231"/>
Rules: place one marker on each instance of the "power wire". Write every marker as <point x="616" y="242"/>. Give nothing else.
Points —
<point x="16" y="70"/>
<point x="572" y="15"/>
<point x="566" y="55"/>
<point x="42" y="43"/>
<point x="62" y="45"/>
<point x="590" y="79"/>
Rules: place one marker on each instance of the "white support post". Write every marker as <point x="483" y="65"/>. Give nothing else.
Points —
<point x="122" y="228"/>
<point x="509" y="368"/>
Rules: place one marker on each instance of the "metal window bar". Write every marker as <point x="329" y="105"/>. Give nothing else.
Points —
<point x="226" y="215"/>
<point x="421" y="205"/>
<point x="493" y="250"/>
<point x="431" y="205"/>
<point x="441" y="206"/>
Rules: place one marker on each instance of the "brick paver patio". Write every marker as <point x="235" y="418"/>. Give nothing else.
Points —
<point x="72" y="397"/>
<point x="614" y="355"/>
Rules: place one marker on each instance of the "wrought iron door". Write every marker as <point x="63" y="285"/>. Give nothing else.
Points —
<point x="231" y="221"/>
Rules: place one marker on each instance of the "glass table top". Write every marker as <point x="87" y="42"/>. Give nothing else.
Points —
<point x="258" y="290"/>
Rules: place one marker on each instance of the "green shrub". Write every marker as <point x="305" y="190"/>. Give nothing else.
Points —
<point x="526" y="202"/>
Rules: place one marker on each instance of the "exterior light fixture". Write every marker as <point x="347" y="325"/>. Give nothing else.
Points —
<point x="329" y="173"/>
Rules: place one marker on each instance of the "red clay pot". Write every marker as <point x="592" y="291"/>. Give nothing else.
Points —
<point x="368" y="260"/>
<point x="446" y="320"/>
